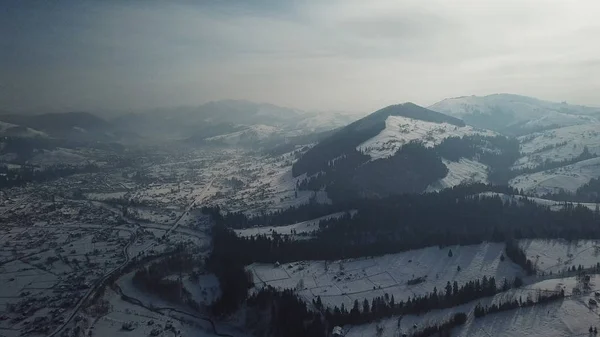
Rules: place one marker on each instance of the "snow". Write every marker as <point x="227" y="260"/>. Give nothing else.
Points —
<point x="304" y="227"/>
<point x="463" y="171"/>
<point x="568" y="178"/>
<point x="557" y="255"/>
<point x="7" y="129"/>
<point x="559" y="144"/>
<point x="402" y="130"/>
<point x="571" y="316"/>
<point x="529" y="112"/>
<point x="372" y="277"/>
<point x="252" y="132"/>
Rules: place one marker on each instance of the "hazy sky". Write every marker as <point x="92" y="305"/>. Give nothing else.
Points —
<point x="314" y="54"/>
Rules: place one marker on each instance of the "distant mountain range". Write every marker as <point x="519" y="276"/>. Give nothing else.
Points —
<point x="515" y="115"/>
<point x="406" y="148"/>
<point x="230" y="122"/>
<point x="535" y="145"/>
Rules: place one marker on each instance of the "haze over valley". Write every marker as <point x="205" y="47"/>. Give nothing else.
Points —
<point x="291" y="169"/>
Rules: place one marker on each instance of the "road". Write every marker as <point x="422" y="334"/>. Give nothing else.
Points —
<point x="93" y="289"/>
<point x="192" y="204"/>
<point x="98" y="283"/>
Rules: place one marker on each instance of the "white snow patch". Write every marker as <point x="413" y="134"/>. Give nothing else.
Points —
<point x="402" y="130"/>
<point x="463" y="171"/>
<point x="344" y="281"/>
<point x="568" y="178"/>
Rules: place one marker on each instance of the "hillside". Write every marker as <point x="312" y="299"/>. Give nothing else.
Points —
<point x="346" y="140"/>
<point x="400" y="130"/>
<point x="404" y="149"/>
<point x="226" y="119"/>
<point x="77" y="126"/>
<point x="558" y="144"/>
<point x="515" y="114"/>
<point x="567" y="178"/>
<point x="12" y="130"/>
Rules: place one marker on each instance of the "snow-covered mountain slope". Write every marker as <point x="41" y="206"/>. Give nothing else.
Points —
<point x="400" y="130"/>
<point x="515" y="114"/>
<point x="558" y="144"/>
<point x="462" y="172"/>
<point x="567" y="178"/>
<point x="8" y="129"/>
<point x="219" y="118"/>
<point x="249" y="134"/>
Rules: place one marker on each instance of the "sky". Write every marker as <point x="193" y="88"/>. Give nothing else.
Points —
<point x="343" y="55"/>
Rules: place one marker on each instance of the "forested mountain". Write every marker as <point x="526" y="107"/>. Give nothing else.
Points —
<point x="400" y="149"/>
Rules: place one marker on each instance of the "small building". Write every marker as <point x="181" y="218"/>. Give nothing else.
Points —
<point x="337" y="331"/>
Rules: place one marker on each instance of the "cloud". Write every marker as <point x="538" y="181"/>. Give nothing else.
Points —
<point x="339" y="54"/>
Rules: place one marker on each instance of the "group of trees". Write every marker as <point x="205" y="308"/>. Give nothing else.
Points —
<point x="234" y="280"/>
<point x="518" y="256"/>
<point x="153" y="278"/>
<point x="386" y="306"/>
<point x="549" y="164"/>
<point x="499" y="153"/>
<point x="589" y="192"/>
<point x="289" y="314"/>
<point x="347" y="174"/>
<point x="406" y="222"/>
<point x="443" y="329"/>
<point x="541" y="298"/>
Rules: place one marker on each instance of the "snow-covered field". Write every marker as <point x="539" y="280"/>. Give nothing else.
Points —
<point x="569" y="317"/>
<point x="557" y="255"/>
<point x="461" y="172"/>
<point x="402" y="130"/>
<point x="267" y="184"/>
<point x="345" y="281"/>
<point x="558" y="144"/>
<point x="568" y="178"/>
<point x="304" y="227"/>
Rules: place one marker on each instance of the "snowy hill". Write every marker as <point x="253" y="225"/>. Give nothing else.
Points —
<point x="221" y="118"/>
<point x="514" y="114"/>
<point x="401" y="130"/>
<point x="8" y="129"/>
<point x="404" y="148"/>
<point x="248" y="134"/>
<point x="465" y="171"/>
<point x="567" y="178"/>
<point x="558" y="144"/>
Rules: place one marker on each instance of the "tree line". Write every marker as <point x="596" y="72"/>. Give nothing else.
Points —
<point x="386" y="306"/>
<point x="541" y="298"/>
<point x="406" y="222"/>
